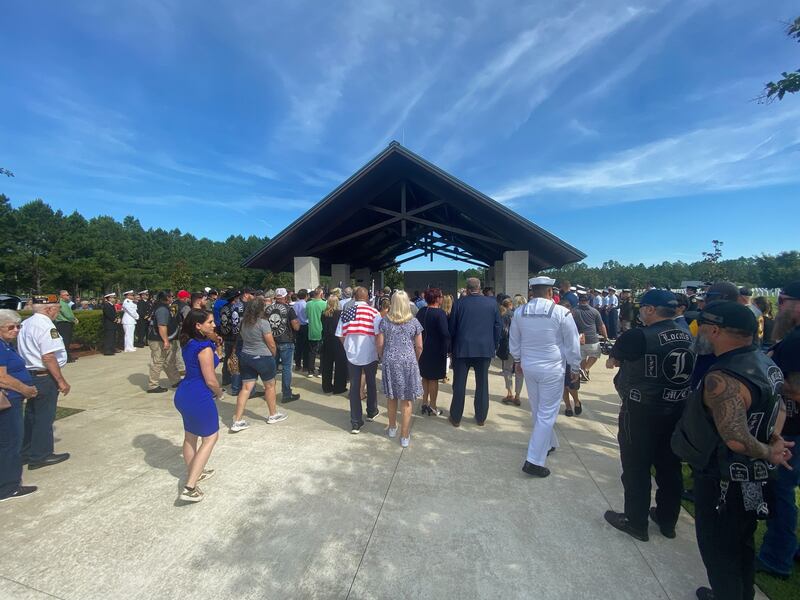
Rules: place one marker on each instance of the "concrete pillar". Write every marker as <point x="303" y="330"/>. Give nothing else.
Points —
<point x="515" y="272"/>
<point x="499" y="277"/>
<point x="306" y="272"/>
<point x="340" y="275"/>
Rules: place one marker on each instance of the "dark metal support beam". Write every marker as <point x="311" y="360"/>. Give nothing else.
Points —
<point x="403" y="208"/>
<point x="354" y="235"/>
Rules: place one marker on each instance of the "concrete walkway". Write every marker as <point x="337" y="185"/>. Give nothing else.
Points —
<point x="303" y="509"/>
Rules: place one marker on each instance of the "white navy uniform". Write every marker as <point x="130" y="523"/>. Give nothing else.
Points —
<point x="544" y="339"/>
<point x="130" y="315"/>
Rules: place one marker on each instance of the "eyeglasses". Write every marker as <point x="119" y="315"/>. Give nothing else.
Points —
<point x="13" y="327"/>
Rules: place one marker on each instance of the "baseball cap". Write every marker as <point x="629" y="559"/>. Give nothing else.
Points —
<point x="658" y="298"/>
<point x="745" y="291"/>
<point x="722" y="290"/>
<point x="184" y="294"/>
<point x="281" y="293"/>
<point x="248" y="290"/>
<point x="51" y="299"/>
<point x="729" y="314"/>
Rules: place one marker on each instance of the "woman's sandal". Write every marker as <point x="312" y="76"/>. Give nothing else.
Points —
<point x="508" y="400"/>
<point x="578" y="408"/>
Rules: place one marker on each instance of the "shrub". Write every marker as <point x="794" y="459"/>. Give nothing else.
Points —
<point x="89" y="330"/>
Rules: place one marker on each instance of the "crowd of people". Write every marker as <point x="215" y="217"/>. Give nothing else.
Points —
<point x="705" y="377"/>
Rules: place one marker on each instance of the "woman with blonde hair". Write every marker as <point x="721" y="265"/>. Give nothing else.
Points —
<point x="333" y="361"/>
<point x="399" y="345"/>
<point x="519" y="300"/>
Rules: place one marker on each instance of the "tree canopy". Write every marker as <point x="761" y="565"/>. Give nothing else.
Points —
<point x="790" y="80"/>
<point x="43" y="250"/>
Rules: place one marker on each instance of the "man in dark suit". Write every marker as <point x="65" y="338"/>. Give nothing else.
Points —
<point x="475" y="330"/>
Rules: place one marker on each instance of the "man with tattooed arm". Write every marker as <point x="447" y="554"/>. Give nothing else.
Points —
<point x="730" y="434"/>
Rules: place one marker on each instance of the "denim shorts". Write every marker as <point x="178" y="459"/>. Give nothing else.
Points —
<point x="252" y="367"/>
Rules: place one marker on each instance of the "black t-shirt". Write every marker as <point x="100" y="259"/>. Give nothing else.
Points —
<point x="631" y="345"/>
<point x="164" y="315"/>
<point x="786" y="354"/>
<point x="280" y="317"/>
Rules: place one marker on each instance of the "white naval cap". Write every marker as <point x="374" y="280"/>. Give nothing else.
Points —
<point x="131" y="292"/>
<point x="110" y="295"/>
<point x="541" y="280"/>
<point x="611" y="288"/>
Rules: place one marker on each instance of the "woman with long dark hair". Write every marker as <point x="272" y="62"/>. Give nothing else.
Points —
<point x="194" y="399"/>
<point x="257" y="359"/>
<point x="435" y="346"/>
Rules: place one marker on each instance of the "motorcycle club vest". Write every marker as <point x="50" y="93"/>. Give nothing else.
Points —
<point x="696" y="439"/>
<point x="661" y="376"/>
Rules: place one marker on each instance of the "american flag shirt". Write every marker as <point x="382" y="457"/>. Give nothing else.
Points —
<point x="358" y="325"/>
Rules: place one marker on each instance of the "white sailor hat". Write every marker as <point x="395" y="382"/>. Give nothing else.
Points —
<point x="573" y="289"/>
<point x="131" y="292"/>
<point x="580" y="287"/>
<point x="611" y="288"/>
<point x="541" y="280"/>
<point x="144" y="292"/>
<point x="582" y="293"/>
<point x="110" y="295"/>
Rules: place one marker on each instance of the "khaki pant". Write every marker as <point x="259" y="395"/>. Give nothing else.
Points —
<point x="163" y="359"/>
<point x="178" y="355"/>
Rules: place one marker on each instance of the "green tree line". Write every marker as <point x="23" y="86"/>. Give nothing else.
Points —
<point x="42" y="250"/>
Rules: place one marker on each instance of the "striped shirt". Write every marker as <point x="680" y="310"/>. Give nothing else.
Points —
<point x="358" y="326"/>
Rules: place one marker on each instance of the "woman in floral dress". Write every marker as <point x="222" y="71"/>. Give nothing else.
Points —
<point x="399" y="345"/>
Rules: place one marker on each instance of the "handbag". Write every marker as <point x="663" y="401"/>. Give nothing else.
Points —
<point x="5" y="403"/>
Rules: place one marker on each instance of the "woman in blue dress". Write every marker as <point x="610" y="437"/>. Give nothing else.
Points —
<point x="194" y="399"/>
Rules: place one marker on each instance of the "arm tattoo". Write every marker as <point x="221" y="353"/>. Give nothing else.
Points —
<point x="725" y="396"/>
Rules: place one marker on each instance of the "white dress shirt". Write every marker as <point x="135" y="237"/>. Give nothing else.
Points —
<point x="129" y="313"/>
<point x="37" y="337"/>
<point x="544" y="337"/>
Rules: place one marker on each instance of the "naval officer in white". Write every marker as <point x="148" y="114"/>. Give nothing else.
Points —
<point x="130" y="315"/>
<point x="543" y="340"/>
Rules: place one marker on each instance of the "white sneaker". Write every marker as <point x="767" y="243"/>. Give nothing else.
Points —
<point x="206" y="475"/>
<point x="405" y="441"/>
<point x="276" y="418"/>
<point x="392" y="432"/>
<point x="195" y="495"/>
<point x="239" y="426"/>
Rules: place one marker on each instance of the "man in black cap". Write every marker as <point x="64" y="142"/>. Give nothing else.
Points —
<point x="779" y="549"/>
<point x="730" y="434"/>
<point x="145" y="309"/>
<point x="653" y="382"/>
<point x="746" y="299"/>
<point x="720" y="291"/>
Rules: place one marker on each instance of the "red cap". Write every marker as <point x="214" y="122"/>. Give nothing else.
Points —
<point x="184" y="294"/>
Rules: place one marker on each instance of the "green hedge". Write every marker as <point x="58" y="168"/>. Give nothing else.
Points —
<point x="89" y="330"/>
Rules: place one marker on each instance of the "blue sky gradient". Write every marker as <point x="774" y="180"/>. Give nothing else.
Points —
<point x="627" y="129"/>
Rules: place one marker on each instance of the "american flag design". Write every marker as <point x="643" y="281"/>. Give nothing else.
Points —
<point x="359" y="319"/>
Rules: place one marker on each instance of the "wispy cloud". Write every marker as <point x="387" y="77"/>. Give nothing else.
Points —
<point x="578" y="127"/>
<point x="730" y="155"/>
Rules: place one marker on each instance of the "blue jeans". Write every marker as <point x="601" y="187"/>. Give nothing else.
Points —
<point x="10" y="444"/>
<point x="780" y="540"/>
<point x="285" y="354"/>
<point x="40" y="412"/>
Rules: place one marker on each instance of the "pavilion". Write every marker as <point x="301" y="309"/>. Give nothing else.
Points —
<point x="399" y="203"/>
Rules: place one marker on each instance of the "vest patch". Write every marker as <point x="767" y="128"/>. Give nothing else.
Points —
<point x="738" y="472"/>
<point x="675" y="395"/>
<point x="651" y="365"/>
<point x="754" y="422"/>
<point x="673" y="335"/>
<point x="678" y="366"/>
<point x="635" y="395"/>
<point x="54" y="333"/>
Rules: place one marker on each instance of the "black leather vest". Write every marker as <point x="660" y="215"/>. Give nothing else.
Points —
<point x="661" y="376"/>
<point x="696" y="439"/>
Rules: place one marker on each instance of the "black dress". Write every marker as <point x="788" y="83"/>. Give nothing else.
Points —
<point x="435" y="343"/>
<point x="333" y="360"/>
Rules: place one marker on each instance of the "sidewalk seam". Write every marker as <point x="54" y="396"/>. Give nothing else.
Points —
<point x="30" y="587"/>
<point x="608" y="503"/>
<point x="374" y="525"/>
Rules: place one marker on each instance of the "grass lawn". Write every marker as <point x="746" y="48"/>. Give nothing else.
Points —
<point x="774" y="588"/>
<point x="62" y="412"/>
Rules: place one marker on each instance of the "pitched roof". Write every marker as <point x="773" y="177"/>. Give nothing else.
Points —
<point x="398" y="203"/>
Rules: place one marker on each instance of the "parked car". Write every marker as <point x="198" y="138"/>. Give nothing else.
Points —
<point x="11" y="301"/>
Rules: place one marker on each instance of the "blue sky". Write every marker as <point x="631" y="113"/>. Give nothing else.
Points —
<point x="627" y="128"/>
